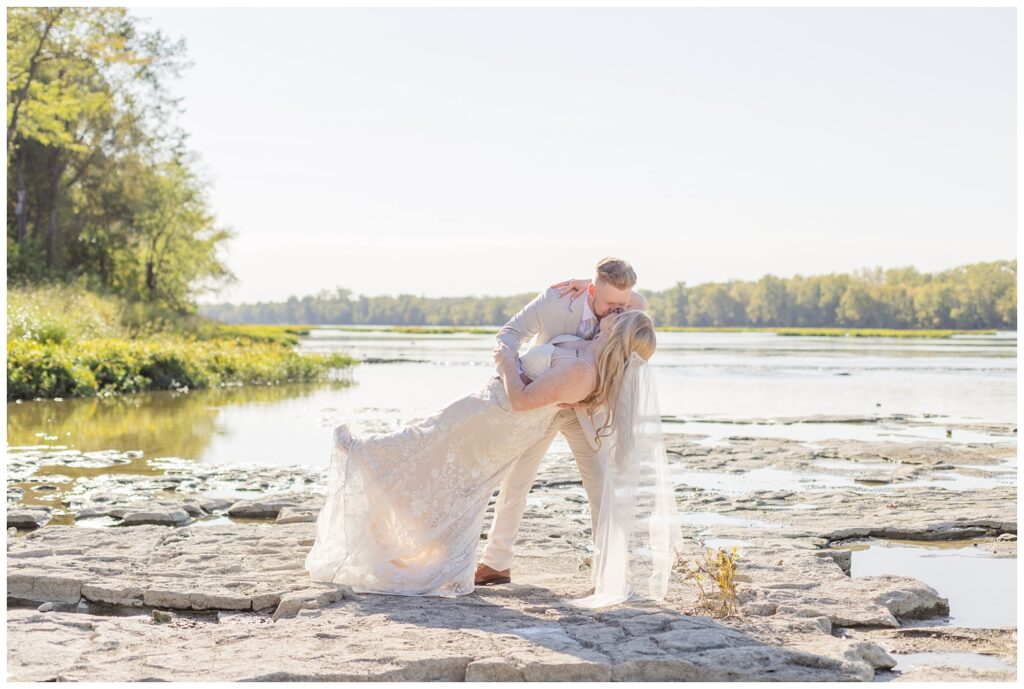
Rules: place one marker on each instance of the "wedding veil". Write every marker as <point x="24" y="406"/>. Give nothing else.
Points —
<point x="638" y="531"/>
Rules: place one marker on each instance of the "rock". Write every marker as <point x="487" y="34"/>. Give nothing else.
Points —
<point x="231" y="567"/>
<point x="45" y="607"/>
<point x="220" y="601"/>
<point x="267" y="507"/>
<point x="912" y="599"/>
<point x="155" y="516"/>
<point x="193" y="508"/>
<point x="27" y="517"/>
<point x="54" y="588"/>
<point x="680" y="641"/>
<point x="212" y="505"/>
<point x="493" y="670"/>
<point x="821" y="623"/>
<point x="265" y="601"/>
<point x="134" y="512"/>
<point x="307" y="599"/>
<point x="294" y="515"/>
<point x="167" y="598"/>
<point x="759" y="609"/>
<point x="113" y="592"/>
<point x="792" y="590"/>
<point x="873" y="654"/>
<point x="843" y="558"/>
<point x="163" y="616"/>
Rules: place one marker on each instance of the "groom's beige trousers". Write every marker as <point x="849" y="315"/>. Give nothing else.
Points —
<point x="516" y="485"/>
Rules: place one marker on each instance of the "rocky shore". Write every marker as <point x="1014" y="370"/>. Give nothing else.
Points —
<point x="195" y="573"/>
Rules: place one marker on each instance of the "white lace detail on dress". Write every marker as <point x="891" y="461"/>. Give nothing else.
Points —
<point x="538" y="360"/>
<point x="404" y="510"/>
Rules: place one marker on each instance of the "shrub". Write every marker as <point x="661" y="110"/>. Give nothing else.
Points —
<point x="123" y="366"/>
<point x="46" y="370"/>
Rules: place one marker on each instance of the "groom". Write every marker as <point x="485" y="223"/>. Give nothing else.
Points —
<point x="548" y="316"/>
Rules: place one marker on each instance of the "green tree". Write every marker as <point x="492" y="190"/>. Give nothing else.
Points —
<point x="99" y="183"/>
<point x="769" y="302"/>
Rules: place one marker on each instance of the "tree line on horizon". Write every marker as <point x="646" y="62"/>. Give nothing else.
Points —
<point x="975" y="296"/>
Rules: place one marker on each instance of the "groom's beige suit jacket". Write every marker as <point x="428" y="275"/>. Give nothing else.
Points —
<point x="541" y="321"/>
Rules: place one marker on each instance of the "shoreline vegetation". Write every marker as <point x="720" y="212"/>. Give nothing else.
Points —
<point x="838" y="332"/>
<point x="781" y="331"/>
<point x="63" y="342"/>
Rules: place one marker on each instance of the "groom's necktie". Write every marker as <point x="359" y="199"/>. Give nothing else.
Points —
<point x="588" y="328"/>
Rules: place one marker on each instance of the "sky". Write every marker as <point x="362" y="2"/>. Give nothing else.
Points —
<point x="488" y="151"/>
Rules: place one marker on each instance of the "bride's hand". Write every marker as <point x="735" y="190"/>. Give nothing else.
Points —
<point x="502" y="353"/>
<point x="507" y="367"/>
<point x="577" y="287"/>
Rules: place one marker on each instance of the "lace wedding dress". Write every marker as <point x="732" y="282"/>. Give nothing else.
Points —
<point x="404" y="510"/>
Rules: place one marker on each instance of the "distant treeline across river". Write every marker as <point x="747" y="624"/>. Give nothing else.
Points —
<point x="975" y="296"/>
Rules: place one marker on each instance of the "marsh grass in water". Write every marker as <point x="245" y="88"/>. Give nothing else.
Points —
<point x="715" y="576"/>
<point x="831" y="332"/>
<point x="287" y="335"/>
<point x="782" y="331"/>
<point x="416" y="329"/>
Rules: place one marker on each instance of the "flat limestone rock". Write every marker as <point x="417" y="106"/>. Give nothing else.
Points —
<point x="246" y="608"/>
<point x="222" y="567"/>
<point x="133" y="512"/>
<point x="287" y="626"/>
<point x="270" y="506"/>
<point x="295" y="515"/>
<point x="395" y="638"/>
<point x="27" y="517"/>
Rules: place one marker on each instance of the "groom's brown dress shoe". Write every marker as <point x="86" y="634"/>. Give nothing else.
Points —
<point x="486" y="576"/>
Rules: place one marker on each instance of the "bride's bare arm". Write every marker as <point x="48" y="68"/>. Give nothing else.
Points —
<point x="565" y="383"/>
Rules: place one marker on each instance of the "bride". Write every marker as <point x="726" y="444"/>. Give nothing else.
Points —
<point x="404" y="510"/>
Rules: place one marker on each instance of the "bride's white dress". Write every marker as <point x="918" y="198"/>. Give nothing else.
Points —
<point x="404" y="510"/>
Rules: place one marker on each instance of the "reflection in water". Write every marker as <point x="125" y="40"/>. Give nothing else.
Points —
<point x="160" y="424"/>
<point x="54" y="446"/>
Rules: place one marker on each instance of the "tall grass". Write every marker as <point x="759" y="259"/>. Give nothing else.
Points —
<point x="61" y="314"/>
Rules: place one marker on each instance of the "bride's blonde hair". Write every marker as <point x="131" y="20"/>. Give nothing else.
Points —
<point x="632" y="331"/>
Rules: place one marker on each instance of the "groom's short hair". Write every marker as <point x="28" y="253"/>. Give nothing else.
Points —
<point x="616" y="272"/>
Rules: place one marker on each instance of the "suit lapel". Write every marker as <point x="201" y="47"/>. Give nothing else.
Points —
<point x="574" y="315"/>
